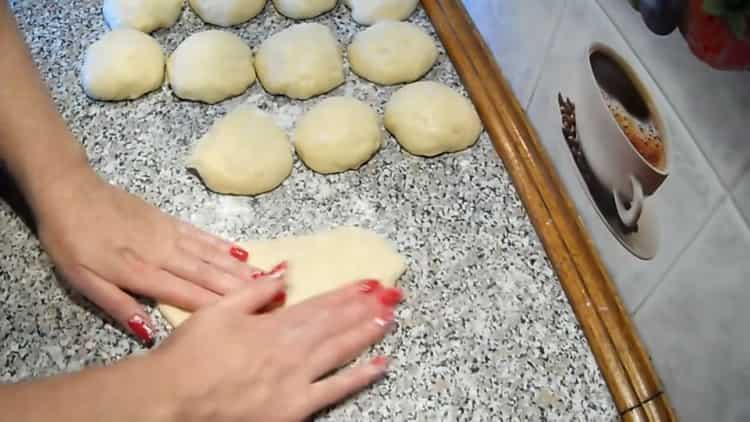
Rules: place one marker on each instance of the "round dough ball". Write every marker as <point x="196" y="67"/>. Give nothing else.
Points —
<point x="392" y="52"/>
<point x="227" y="12"/>
<point x="338" y="134"/>
<point x="123" y="65"/>
<point x="244" y="153"/>
<point x="368" y="12"/>
<point x="211" y="66"/>
<point x="429" y="119"/>
<point x="143" y="15"/>
<point x="303" y="9"/>
<point x="300" y="62"/>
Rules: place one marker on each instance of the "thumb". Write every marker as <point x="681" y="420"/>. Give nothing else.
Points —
<point x="118" y="304"/>
<point x="266" y="289"/>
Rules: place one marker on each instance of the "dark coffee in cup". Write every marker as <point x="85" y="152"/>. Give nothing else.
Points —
<point x="629" y="109"/>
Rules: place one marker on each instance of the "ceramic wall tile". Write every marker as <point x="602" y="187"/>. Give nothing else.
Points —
<point x="519" y="33"/>
<point x="674" y="214"/>
<point x="695" y="324"/>
<point x="742" y="195"/>
<point x="714" y="105"/>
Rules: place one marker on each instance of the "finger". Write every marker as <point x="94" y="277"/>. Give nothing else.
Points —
<point x="329" y="322"/>
<point x="337" y="387"/>
<point x="341" y="349"/>
<point x="118" y="304"/>
<point x="256" y="296"/>
<point x="226" y="256"/>
<point x="165" y="287"/>
<point x="193" y="269"/>
<point x="336" y="298"/>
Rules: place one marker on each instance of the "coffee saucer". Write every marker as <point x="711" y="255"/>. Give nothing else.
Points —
<point x="642" y="242"/>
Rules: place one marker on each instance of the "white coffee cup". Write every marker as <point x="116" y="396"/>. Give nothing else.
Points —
<point x="614" y="160"/>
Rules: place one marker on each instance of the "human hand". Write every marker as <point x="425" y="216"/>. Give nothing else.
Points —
<point x="106" y="243"/>
<point x="227" y="363"/>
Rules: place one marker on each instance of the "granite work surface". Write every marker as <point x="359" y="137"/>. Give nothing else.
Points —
<point x="486" y="333"/>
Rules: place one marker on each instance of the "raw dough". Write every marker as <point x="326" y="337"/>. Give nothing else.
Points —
<point x="392" y="52"/>
<point x="319" y="263"/>
<point x="143" y="15"/>
<point x="124" y="64"/>
<point x="338" y="134"/>
<point x="367" y="12"/>
<point x="245" y="153"/>
<point x="300" y="62"/>
<point x="303" y="9"/>
<point x="211" y="66"/>
<point x="428" y="119"/>
<point x="227" y="12"/>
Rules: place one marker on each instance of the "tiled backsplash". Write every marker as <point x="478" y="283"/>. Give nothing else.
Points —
<point x="688" y="298"/>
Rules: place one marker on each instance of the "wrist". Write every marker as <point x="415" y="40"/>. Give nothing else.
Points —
<point x="61" y="187"/>
<point x="41" y="169"/>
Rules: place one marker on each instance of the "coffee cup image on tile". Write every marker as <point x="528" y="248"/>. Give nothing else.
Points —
<point x="622" y="135"/>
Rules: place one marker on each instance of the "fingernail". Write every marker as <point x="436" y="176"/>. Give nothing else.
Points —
<point x="139" y="327"/>
<point x="390" y="297"/>
<point x="279" y="298"/>
<point x="238" y="253"/>
<point x="386" y="318"/>
<point x="276" y="272"/>
<point x="380" y="362"/>
<point x="369" y="286"/>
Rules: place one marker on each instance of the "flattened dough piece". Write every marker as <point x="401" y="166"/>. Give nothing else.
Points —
<point x="319" y="263"/>
<point x="244" y="153"/>
<point x="211" y="66"/>
<point x="123" y="65"/>
<point x="429" y="119"/>
<point x="300" y="62"/>
<point x="392" y="52"/>
<point x="338" y="134"/>
<point x="368" y="12"/>
<point x="303" y="9"/>
<point x="227" y="12"/>
<point x="143" y="15"/>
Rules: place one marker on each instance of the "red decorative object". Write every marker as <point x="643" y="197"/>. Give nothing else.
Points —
<point x="712" y="40"/>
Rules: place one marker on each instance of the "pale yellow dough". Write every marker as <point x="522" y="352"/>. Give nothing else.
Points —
<point x="244" y="153"/>
<point x="227" y="12"/>
<point x="143" y="15"/>
<point x="300" y="62"/>
<point x="211" y="66"/>
<point x="392" y="52"/>
<point x="124" y="64"/>
<point x="428" y="119"/>
<point x="368" y="12"/>
<point x="321" y="262"/>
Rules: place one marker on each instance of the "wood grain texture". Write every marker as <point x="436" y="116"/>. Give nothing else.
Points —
<point x="612" y="337"/>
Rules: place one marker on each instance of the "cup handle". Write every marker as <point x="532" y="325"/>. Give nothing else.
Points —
<point x="630" y="215"/>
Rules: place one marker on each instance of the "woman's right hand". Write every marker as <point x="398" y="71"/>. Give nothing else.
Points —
<point x="229" y="363"/>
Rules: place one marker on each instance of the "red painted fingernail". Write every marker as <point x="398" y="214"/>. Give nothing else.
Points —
<point x="390" y="297"/>
<point x="380" y="361"/>
<point x="139" y="327"/>
<point x="238" y="253"/>
<point x="369" y="286"/>
<point x="386" y="318"/>
<point x="278" y="270"/>
<point x="279" y="298"/>
<point x="275" y="272"/>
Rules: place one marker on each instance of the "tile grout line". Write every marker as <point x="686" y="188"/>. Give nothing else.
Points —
<point x="547" y="50"/>
<point x="740" y="211"/>
<point x="666" y="98"/>
<point x="688" y="244"/>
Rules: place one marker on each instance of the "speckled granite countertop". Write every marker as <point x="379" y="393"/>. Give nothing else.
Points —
<point x="486" y="333"/>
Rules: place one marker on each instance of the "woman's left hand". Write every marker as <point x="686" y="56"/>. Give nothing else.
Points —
<point x="108" y="243"/>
